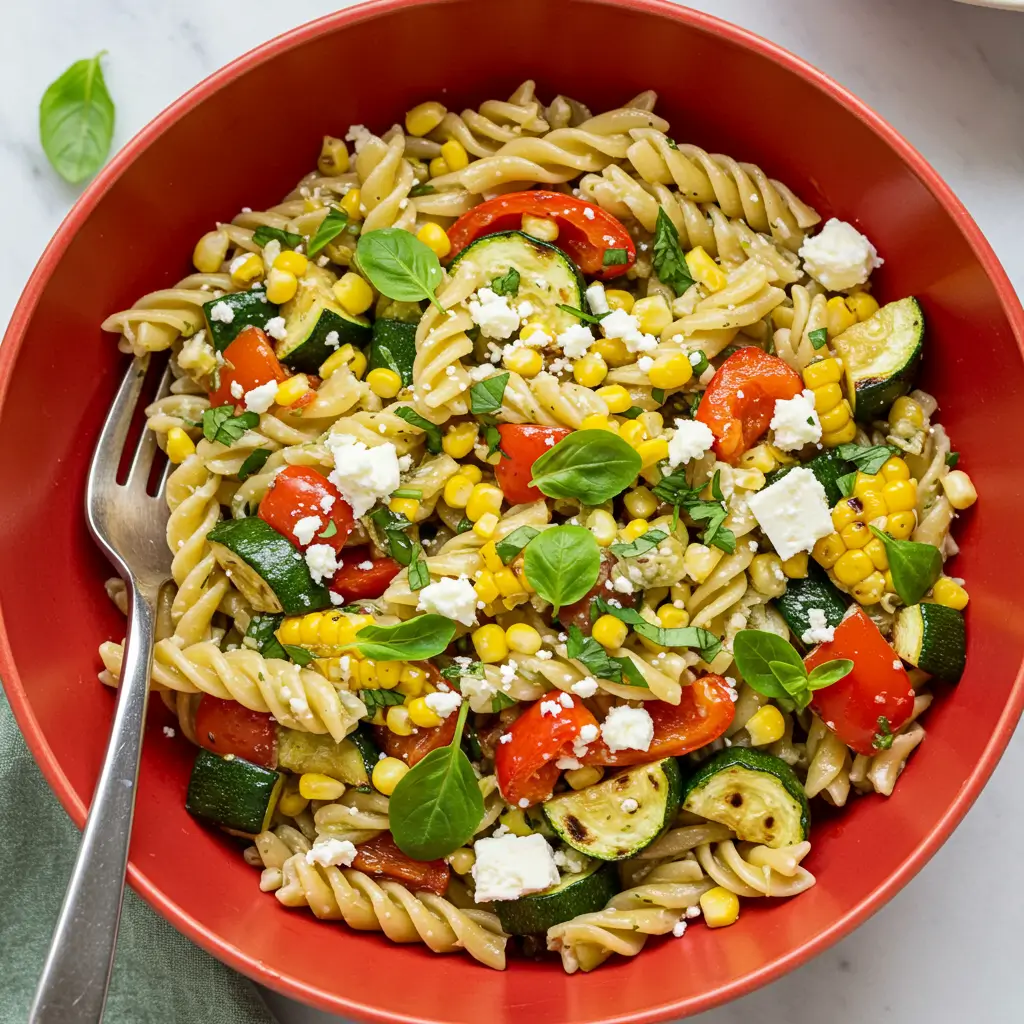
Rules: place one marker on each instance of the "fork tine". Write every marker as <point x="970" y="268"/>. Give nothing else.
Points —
<point x="142" y="462"/>
<point x="161" y="490"/>
<point x="107" y="456"/>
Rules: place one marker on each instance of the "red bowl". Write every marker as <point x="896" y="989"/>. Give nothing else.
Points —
<point x="199" y="161"/>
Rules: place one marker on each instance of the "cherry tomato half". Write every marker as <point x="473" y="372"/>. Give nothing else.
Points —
<point x="227" y="727"/>
<point x="381" y="856"/>
<point x="353" y="583"/>
<point x="299" y="492"/>
<point x="249" y="361"/>
<point x="523" y="444"/>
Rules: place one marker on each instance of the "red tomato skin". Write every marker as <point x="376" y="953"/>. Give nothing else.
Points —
<point x="296" y="493"/>
<point x="412" y="749"/>
<point x="523" y="444"/>
<point x="381" y="856"/>
<point x="703" y="714"/>
<point x="248" y="361"/>
<point x="877" y="686"/>
<point x="226" y="727"/>
<point x="739" y="403"/>
<point x="525" y="765"/>
<point x="354" y="584"/>
<point x="583" y="236"/>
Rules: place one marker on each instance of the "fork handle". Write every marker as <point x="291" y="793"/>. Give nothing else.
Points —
<point x="76" y="975"/>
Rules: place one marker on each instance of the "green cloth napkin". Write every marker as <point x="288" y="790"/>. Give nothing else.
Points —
<point x="159" y="976"/>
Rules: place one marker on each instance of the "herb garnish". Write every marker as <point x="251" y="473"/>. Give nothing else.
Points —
<point x="669" y="262"/>
<point x="254" y="462"/>
<point x="677" y="636"/>
<point x="330" y="227"/>
<point x="222" y="425"/>
<point x="485" y="396"/>
<point x="615" y="257"/>
<point x="818" y="338"/>
<point x="868" y="459"/>
<point x="914" y="566"/>
<point x="431" y="430"/>
<point x="510" y="546"/>
<point x="591" y="465"/>
<point x="424" y="636"/>
<point x="587" y="318"/>
<point x="399" y="265"/>
<point x="507" y="284"/>
<point x="264" y="234"/>
<point x="562" y="564"/>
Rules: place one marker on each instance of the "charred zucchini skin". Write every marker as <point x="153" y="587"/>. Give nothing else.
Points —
<point x="232" y="793"/>
<point x="933" y="638"/>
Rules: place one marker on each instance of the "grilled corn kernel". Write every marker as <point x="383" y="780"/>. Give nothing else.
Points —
<point x="543" y="228"/>
<point x="387" y="774"/>
<point x="333" y="159"/>
<point x="705" y="270"/>
<point x="900" y="495"/>
<point x="855" y="535"/>
<point x="462" y="860"/>
<point x="389" y="673"/>
<point x="865" y="482"/>
<point x="949" y="593"/>
<point x="292" y="802"/>
<point x="485" y="525"/>
<point x="454" y="155"/>
<point x="314" y="786"/>
<point x="869" y="590"/>
<point x="246" y="269"/>
<point x="609" y="631"/>
<point x="438" y="166"/>
<point x="580" y="778"/>
<point x="412" y="681"/>
<point x="720" y="907"/>
<point x="522" y="639"/>
<point x="613" y="351"/>
<point x="888" y="581"/>
<point x="699" y="561"/>
<point x="844" y="435"/>
<point x="862" y="305"/>
<point x="351" y="203"/>
<point x="640" y="503"/>
<point x="603" y="526"/>
<point x="824" y="371"/>
<point x="846" y="512"/>
<point x="489" y="643"/>
<point x="617" y="298"/>
<point x="959" y="489"/>
<point x="635" y="528"/>
<point x="758" y="457"/>
<point x="291" y="390"/>
<point x="652" y="316"/>
<point x="527" y="362"/>
<point x="457" y="491"/>
<point x="633" y="432"/>
<point x="459" y="439"/>
<point x="366" y="672"/>
<point x="766" y="575"/>
<point x="424" y="118"/>
<point x="828" y="550"/>
<point x="434" y="237"/>
<point x="795" y="568"/>
<point x="900" y="524"/>
<point x="485" y="498"/>
<point x="179" y="445"/>
<point x="407" y="507"/>
<point x="671" y="371"/>
<point x="398" y="720"/>
<point x="827" y="397"/>
<point x="873" y="505"/>
<point x="590" y="370"/>
<point x="485" y="587"/>
<point x="672" y="617"/>
<point x="281" y="286"/>
<point x="211" y="251"/>
<point x="383" y="382"/>
<point x="652" y="452"/>
<point x="353" y="293"/>
<point x="766" y="725"/>
<point x="291" y="261"/>
<point x="894" y="469"/>
<point x="836" y="419"/>
<point x="875" y="550"/>
<point x="852" y="567"/>
<point x="907" y="409"/>
<point x="616" y="397"/>
<point x="838" y="316"/>
<point x="422" y="714"/>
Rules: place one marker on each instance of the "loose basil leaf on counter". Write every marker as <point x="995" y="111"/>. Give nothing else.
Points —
<point x="678" y="636"/>
<point x="867" y="458"/>
<point x="587" y="318"/>
<point x="432" y="430"/>
<point x="423" y="189"/>
<point x="399" y="265"/>
<point x="507" y="284"/>
<point x="437" y="805"/>
<point x="615" y="257"/>
<point x="818" y="338"/>
<point x="264" y="234"/>
<point x="424" y="636"/>
<point x="221" y="424"/>
<point x="261" y="631"/>
<point x="76" y="121"/>
<point x="254" y="462"/>
<point x="591" y="465"/>
<point x="299" y="655"/>
<point x="510" y="546"/>
<point x="914" y="566"/>
<point x="378" y="698"/>
<point x="651" y="539"/>
<point x="419" y="575"/>
<point x="562" y="564"/>
<point x="669" y="262"/>
<point x="486" y="395"/>
<point x="330" y="227"/>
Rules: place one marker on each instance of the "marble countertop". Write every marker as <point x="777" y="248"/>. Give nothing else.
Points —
<point x="951" y="78"/>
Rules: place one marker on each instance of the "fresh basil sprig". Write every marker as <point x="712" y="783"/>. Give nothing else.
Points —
<point x="507" y="284"/>
<point x="391" y="527"/>
<point x="591" y="465"/>
<point x="677" y="636"/>
<point x="774" y="668"/>
<point x="669" y="261"/>
<point x="868" y="459"/>
<point x="598" y="662"/>
<point x="676" y="491"/>
<point x="562" y="564"/>
<point x="486" y="395"/>
<point x="222" y="425"/>
<point x="431" y="430"/>
<point x="264" y="234"/>
<point x="510" y="546"/>
<point x="76" y="121"/>
<point x="914" y="566"/>
<point x="424" y="636"/>
<point x="437" y="805"/>
<point x="587" y="318"/>
<point x="378" y="698"/>
<point x="643" y="543"/>
<point x="399" y="265"/>
<point x="818" y="338"/>
<point x="330" y="227"/>
<point x="254" y="462"/>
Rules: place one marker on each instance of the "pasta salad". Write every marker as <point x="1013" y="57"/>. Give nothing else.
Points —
<point x="554" y="521"/>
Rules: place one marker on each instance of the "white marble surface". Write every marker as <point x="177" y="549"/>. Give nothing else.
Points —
<point x="951" y="78"/>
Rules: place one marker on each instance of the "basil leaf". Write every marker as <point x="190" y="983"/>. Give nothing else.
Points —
<point x="828" y="673"/>
<point x="264" y="234"/>
<point x="419" y="575"/>
<point x="510" y="546"/>
<point x="432" y="430"/>
<point x="792" y="677"/>
<point x="424" y="636"/>
<point x="615" y="258"/>
<point x="884" y="737"/>
<point x="587" y="318"/>
<point x="651" y="539"/>
<point x="677" y="636"/>
<point x="486" y="395"/>
<point x="222" y="425"/>
<point x="867" y="458"/>
<point x="330" y="227"/>
<point x="254" y="462"/>
<point x="914" y="566"/>
<point x="952" y="458"/>
<point x="700" y="364"/>
<point x="391" y="528"/>
<point x="500" y="701"/>
<point x="630" y="673"/>
<point x="492" y="436"/>
<point x="76" y="121"/>
<point x="262" y="629"/>
<point x="507" y="284"/>
<point x="818" y="338"/>
<point x="422" y="189"/>
<point x="632" y="412"/>
<point x="329" y="531"/>
<point x="669" y="261"/>
<point x="716" y="486"/>
<point x="845" y="484"/>
<point x="379" y="698"/>
<point x="399" y="265"/>
<point x="465" y="524"/>
<point x="299" y="655"/>
<point x="591" y="465"/>
<point x="756" y="651"/>
<point x="437" y="805"/>
<point x="562" y="564"/>
<point x="596" y="660"/>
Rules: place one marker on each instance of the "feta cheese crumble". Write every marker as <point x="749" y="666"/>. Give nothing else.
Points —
<point x="511" y="866"/>
<point x="575" y="341"/>
<point x="305" y="529"/>
<point x="443" y="703"/>
<point x="452" y="598"/>
<point x="839" y="256"/>
<point x="363" y="475"/>
<point x="793" y="512"/>
<point x="795" y="422"/>
<point x="597" y="300"/>
<point x="550" y="707"/>
<point x="493" y="314"/>
<point x="321" y="561"/>
<point x="690" y="441"/>
<point x="820" y="632"/>
<point x="331" y="852"/>
<point x="261" y="398"/>
<point x="586" y="687"/>
<point x="276" y="329"/>
<point x="221" y="312"/>
<point x="237" y="391"/>
<point x="627" y="728"/>
<point x="587" y="735"/>
<point x="620" y="324"/>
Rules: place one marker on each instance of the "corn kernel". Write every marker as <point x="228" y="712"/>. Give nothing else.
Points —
<point x="424" y="118"/>
<point x="412" y="681"/>
<point x="949" y="593"/>
<point x="527" y="362"/>
<point x="246" y="269"/>
<point x="281" y="286"/>
<point x="472" y="472"/>
<point x="492" y="560"/>
<point x="907" y="409"/>
<point x="507" y="582"/>
<point x="720" y="907"/>
<point x="619" y="299"/>
<point x="869" y="590"/>
<point x="766" y="575"/>
<point x="351" y="203"/>
<point x="291" y="390"/>
<point x="862" y="305"/>
<point x="653" y="316"/>
<point x="291" y="261"/>
<point x="462" y="860"/>
<point x="671" y="371"/>
<point x="383" y="382"/>
<point x="852" y="567"/>
<point x="435" y="237"/>
<point x="399" y="720"/>
<point x="873" y="505"/>
<point x="438" y="167"/>
<point x="485" y="587"/>
<point x="407" y="507"/>
<point x="367" y="673"/>
<point x="704" y="269"/>
<point x="211" y="251"/>
<point x="457" y="491"/>
<point x="855" y="535"/>
<point x="959" y="489"/>
<point x="333" y="159"/>
<point x="596" y="421"/>
<point x="652" y="452"/>
<point x="459" y="439"/>
<point x="795" y="568"/>
<point x="889" y="586"/>
<point x="824" y="371"/>
<point x="875" y="550"/>
<point x="634" y="529"/>
<point x="485" y="498"/>
<point x="609" y="632"/>
<point x="179" y="445"/>
<point x="454" y="155"/>
<point x="292" y="802"/>
<point x="616" y="397"/>
<point x="838" y="316"/>
<point x="865" y="482"/>
<point x="389" y="674"/>
<point x="613" y="351"/>
<point x="766" y="725"/>
<point x="544" y="228"/>
<point x="672" y="617"/>
<point x="486" y="525"/>
<point x="640" y="503"/>
<point x="353" y="293"/>
<point x="699" y="561"/>
<point x="633" y="432"/>
<point x="900" y="524"/>
<point x="422" y="714"/>
<point x="489" y="643"/>
<point x="900" y="495"/>
<point x="827" y="397"/>
<point x="314" y="786"/>
<point x="844" y="435"/>
<point x="895" y="469"/>
<point x="845" y="512"/>
<point x="336" y="360"/>
<point x="836" y="419"/>
<point x="387" y="773"/>
<point x="590" y="370"/>
<point x="522" y="639"/>
<point x="759" y="457"/>
<point x="603" y="526"/>
<point x="581" y="778"/>
<point x="828" y="550"/>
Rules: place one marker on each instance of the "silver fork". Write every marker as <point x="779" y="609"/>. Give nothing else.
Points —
<point x="130" y="527"/>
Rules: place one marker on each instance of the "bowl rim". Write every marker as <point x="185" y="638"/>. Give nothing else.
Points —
<point x="24" y="310"/>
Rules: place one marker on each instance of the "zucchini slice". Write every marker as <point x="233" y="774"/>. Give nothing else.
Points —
<point x="582" y="893"/>
<point x="547" y="277"/>
<point x="233" y="793"/>
<point x="249" y="309"/>
<point x="932" y="637"/>
<point x="595" y="822"/>
<point x="315" y="325"/>
<point x="755" y="794"/>
<point x="827" y="468"/>
<point x="351" y="761"/>
<point x="266" y="567"/>
<point x="881" y="356"/>
<point x="393" y="347"/>
<point x="816" y="590"/>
